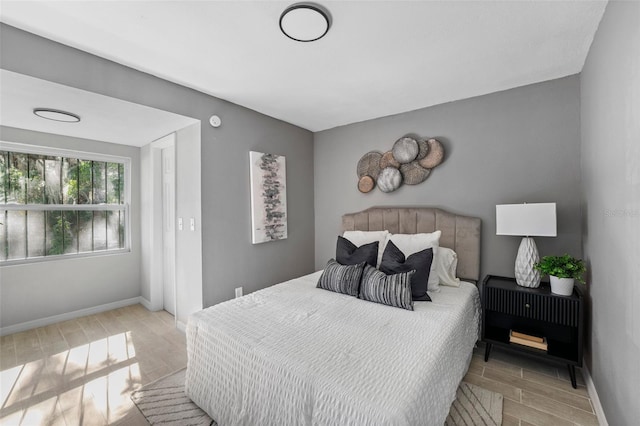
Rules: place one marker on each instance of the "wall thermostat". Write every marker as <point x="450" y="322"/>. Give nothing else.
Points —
<point x="215" y="121"/>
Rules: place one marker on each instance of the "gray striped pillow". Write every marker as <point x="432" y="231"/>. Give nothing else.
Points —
<point x="341" y="278"/>
<point x="393" y="290"/>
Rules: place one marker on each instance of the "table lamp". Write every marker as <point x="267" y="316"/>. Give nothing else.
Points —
<point x="527" y="220"/>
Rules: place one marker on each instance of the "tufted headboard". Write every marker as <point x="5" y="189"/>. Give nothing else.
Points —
<point x="459" y="233"/>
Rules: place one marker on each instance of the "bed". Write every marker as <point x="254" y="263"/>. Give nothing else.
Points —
<point x="293" y="354"/>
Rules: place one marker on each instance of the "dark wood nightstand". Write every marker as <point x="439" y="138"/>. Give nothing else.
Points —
<point x="536" y="311"/>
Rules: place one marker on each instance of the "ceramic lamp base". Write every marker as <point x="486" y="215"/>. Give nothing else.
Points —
<point x="526" y="275"/>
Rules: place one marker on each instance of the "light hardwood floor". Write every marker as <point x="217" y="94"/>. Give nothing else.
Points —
<point x="81" y="372"/>
<point x="535" y="392"/>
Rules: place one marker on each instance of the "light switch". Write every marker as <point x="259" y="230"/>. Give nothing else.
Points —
<point x="193" y="224"/>
<point x="180" y="223"/>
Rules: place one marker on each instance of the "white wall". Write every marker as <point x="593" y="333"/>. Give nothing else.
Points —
<point x="33" y="291"/>
<point x="610" y="151"/>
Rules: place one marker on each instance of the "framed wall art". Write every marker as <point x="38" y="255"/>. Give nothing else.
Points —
<point x="268" y="197"/>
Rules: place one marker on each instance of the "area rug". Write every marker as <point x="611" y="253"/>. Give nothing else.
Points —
<point x="163" y="402"/>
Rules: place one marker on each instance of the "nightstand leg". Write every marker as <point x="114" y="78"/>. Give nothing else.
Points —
<point x="487" y="350"/>
<point x="572" y="374"/>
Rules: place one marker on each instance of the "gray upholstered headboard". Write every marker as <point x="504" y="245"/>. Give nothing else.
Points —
<point x="459" y="233"/>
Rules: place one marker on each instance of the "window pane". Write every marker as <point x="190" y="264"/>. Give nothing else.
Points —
<point x="121" y="171"/>
<point x="59" y="234"/>
<point x="121" y="214"/>
<point x="36" y="233"/>
<point x="70" y="188"/>
<point x="85" y="189"/>
<point x="114" y="183"/>
<point x="99" y="231"/>
<point x="99" y="182"/>
<point x="85" y="231"/>
<point x="4" y="177"/>
<point x="3" y="235"/>
<point x="16" y="234"/>
<point x="35" y="183"/>
<point x="17" y="178"/>
<point x="50" y="179"/>
<point x="53" y="180"/>
<point x="113" y="230"/>
<point x="71" y="243"/>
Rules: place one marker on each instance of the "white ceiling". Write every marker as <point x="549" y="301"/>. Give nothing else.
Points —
<point x="102" y="117"/>
<point x="379" y="58"/>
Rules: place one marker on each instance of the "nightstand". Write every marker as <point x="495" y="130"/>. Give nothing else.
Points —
<point x="535" y="311"/>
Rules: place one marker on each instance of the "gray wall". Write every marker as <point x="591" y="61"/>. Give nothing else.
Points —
<point x="520" y="145"/>
<point x="229" y="259"/>
<point x="610" y="126"/>
<point x="38" y="290"/>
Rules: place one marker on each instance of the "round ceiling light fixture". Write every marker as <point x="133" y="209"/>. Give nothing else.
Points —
<point x="305" y="22"/>
<point x="56" y="115"/>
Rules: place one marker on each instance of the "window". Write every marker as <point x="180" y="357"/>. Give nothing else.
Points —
<point x="61" y="203"/>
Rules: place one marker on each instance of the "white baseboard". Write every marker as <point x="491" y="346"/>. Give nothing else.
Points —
<point x="181" y="326"/>
<point x="144" y="302"/>
<point x="41" y="322"/>
<point x="593" y="394"/>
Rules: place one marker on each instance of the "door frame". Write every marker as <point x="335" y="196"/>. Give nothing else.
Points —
<point x="157" y="231"/>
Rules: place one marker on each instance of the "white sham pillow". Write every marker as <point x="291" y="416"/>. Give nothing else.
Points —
<point x="360" y="238"/>
<point x="446" y="265"/>
<point x="413" y="243"/>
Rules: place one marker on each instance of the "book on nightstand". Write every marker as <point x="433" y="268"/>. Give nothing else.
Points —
<point x="528" y="340"/>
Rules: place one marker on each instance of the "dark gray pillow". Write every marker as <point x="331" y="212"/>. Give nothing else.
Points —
<point x="394" y="262"/>
<point x="348" y="253"/>
<point x="393" y="290"/>
<point x="341" y="278"/>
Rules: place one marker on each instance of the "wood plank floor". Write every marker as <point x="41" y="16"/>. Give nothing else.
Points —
<point x="535" y="392"/>
<point x="81" y="372"/>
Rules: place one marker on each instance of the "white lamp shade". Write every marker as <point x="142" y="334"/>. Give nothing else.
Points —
<point x="531" y="220"/>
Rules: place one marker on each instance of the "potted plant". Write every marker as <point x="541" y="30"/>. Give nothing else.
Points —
<point x="562" y="271"/>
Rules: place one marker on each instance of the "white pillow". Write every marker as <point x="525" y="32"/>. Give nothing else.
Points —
<point x="413" y="243"/>
<point x="446" y="265"/>
<point x="360" y="238"/>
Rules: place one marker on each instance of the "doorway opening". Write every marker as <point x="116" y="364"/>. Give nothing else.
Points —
<point x="163" y="221"/>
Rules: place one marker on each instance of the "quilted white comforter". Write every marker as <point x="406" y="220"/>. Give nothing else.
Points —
<point x="292" y="354"/>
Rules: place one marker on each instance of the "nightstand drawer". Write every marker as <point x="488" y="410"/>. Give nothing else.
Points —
<point x="553" y="309"/>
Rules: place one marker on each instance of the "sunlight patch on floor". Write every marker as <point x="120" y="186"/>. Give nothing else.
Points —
<point x="31" y="395"/>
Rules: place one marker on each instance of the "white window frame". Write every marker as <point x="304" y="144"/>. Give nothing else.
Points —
<point x="81" y="155"/>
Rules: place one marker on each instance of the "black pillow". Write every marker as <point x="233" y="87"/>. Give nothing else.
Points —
<point x="394" y="262"/>
<point x="393" y="290"/>
<point x="348" y="253"/>
<point x="341" y="278"/>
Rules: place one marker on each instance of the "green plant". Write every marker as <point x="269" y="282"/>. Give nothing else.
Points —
<point x="564" y="266"/>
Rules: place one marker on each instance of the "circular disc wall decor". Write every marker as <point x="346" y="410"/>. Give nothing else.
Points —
<point x="435" y="155"/>
<point x="366" y="184"/>
<point x="405" y="150"/>
<point x="423" y="149"/>
<point x="387" y="160"/>
<point x="413" y="173"/>
<point x="411" y="161"/>
<point x="389" y="180"/>
<point x="369" y="165"/>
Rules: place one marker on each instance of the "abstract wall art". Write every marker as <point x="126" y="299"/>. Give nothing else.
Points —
<point x="409" y="162"/>
<point x="268" y="197"/>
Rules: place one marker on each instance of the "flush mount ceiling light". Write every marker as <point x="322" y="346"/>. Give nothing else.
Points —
<point x="305" y="22"/>
<point x="56" y="115"/>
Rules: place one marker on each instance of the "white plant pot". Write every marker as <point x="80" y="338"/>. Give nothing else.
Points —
<point x="561" y="286"/>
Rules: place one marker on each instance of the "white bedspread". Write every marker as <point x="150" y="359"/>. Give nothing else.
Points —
<point x="292" y="354"/>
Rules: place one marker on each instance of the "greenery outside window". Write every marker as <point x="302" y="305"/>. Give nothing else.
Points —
<point x="57" y="203"/>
